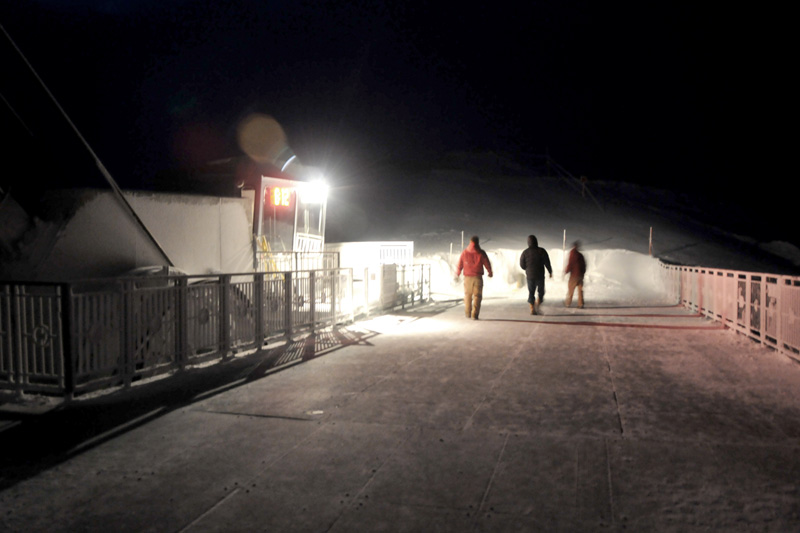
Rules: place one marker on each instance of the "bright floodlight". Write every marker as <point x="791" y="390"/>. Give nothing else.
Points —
<point x="315" y="192"/>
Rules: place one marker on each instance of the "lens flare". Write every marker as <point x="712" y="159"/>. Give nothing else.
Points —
<point x="262" y="138"/>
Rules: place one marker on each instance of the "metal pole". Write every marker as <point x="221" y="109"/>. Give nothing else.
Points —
<point x="287" y="303"/>
<point x="182" y="323"/>
<point x="312" y="297"/>
<point x="68" y="354"/>
<point x="128" y="343"/>
<point x="366" y="291"/>
<point x="225" y="314"/>
<point x="334" y="295"/>
<point x="258" y="300"/>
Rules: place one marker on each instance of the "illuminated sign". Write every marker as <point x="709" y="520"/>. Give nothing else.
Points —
<point x="279" y="196"/>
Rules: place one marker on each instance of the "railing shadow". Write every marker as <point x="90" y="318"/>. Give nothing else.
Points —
<point x="35" y="442"/>
<point x="312" y="346"/>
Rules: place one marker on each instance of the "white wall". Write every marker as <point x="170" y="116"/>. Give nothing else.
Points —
<point x="200" y="234"/>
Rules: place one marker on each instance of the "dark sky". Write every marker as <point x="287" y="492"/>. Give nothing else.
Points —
<point x="663" y="93"/>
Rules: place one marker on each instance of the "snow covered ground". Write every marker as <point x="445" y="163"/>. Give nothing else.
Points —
<point x="439" y="208"/>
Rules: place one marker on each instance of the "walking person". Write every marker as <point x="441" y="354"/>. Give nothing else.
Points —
<point x="472" y="262"/>
<point x="533" y="261"/>
<point x="576" y="268"/>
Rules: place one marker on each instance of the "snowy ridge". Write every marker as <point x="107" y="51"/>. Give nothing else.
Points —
<point x="440" y="208"/>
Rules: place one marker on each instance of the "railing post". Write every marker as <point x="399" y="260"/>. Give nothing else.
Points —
<point x="67" y="361"/>
<point x="334" y="295"/>
<point x="182" y="325"/>
<point x="421" y="283"/>
<point x="15" y="333"/>
<point x="225" y="318"/>
<point x="258" y="301"/>
<point x="428" y="283"/>
<point x="127" y="336"/>
<point x="701" y="278"/>
<point x="403" y="286"/>
<point x="726" y="299"/>
<point x="312" y="298"/>
<point x="288" y="302"/>
<point x="366" y="291"/>
<point x="762" y="319"/>
<point x="352" y="295"/>
<point x="747" y="306"/>
<point x="781" y="283"/>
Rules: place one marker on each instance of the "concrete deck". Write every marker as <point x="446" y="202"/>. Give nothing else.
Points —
<point x="612" y="419"/>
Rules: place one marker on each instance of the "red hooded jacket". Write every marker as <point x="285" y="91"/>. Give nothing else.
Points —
<point x="472" y="261"/>
<point x="576" y="266"/>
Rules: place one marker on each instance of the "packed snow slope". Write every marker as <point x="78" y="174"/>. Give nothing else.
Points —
<point x="439" y="206"/>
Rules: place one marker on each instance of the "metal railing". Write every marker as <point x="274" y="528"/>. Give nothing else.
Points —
<point x="387" y="287"/>
<point x="294" y="261"/>
<point x="72" y="338"/>
<point x="764" y="307"/>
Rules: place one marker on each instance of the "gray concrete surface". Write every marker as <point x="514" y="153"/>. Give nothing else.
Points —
<point x="612" y="419"/>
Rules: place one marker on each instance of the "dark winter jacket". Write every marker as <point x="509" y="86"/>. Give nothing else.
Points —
<point x="472" y="261"/>
<point x="534" y="260"/>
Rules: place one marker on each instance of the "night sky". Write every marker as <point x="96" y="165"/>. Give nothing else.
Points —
<point x="666" y="94"/>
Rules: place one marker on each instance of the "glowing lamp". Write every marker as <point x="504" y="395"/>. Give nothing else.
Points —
<point x="315" y="192"/>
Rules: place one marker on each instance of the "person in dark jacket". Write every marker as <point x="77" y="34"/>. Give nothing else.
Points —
<point x="533" y="261"/>
<point x="576" y="268"/>
<point x="472" y="261"/>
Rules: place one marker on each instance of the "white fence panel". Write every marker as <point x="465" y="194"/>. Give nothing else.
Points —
<point x="764" y="307"/>
<point x="73" y="338"/>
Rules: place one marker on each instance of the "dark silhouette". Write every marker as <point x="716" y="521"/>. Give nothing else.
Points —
<point x="533" y="261"/>
<point x="576" y="268"/>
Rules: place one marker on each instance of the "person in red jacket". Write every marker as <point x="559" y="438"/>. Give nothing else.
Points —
<point x="576" y="268"/>
<point x="472" y="262"/>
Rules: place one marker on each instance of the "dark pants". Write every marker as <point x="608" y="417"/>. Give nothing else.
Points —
<point x="533" y="284"/>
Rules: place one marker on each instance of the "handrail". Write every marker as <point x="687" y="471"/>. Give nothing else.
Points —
<point x="76" y="337"/>
<point x="73" y="338"/>
<point x="764" y="307"/>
